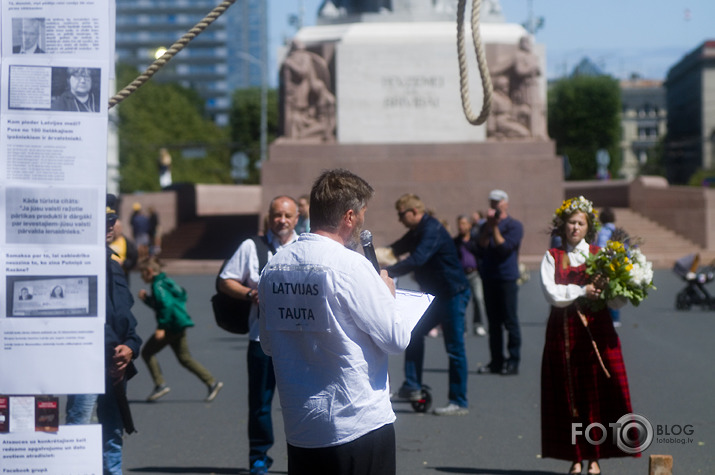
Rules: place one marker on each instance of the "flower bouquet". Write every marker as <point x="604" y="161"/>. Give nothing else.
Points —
<point x="620" y="271"/>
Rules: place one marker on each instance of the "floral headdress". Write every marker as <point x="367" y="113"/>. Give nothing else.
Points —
<point x="569" y="207"/>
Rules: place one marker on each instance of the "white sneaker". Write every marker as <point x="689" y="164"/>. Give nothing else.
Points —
<point x="213" y="391"/>
<point x="451" y="409"/>
<point x="480" y="331"/>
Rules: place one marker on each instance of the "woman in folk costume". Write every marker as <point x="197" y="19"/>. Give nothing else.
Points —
<point x="583" y="378"/>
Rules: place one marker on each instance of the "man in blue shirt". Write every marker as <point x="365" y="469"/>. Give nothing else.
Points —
<point x="433" y="259"/>
<point x="498" y="245"/>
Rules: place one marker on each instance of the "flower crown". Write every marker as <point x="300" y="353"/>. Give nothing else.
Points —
<point x="570" y="206"/>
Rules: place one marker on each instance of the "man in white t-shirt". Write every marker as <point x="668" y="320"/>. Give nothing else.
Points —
<point x="239" y="279"/>
<point x="329" y="321"/>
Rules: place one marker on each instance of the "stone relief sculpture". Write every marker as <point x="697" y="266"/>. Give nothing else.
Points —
<point x="308" y="103"/>
<point x="503" y="121"/>
<point x="518" y="80"/>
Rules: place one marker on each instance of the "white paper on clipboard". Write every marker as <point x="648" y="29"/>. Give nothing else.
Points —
<point x="412" y="305"/>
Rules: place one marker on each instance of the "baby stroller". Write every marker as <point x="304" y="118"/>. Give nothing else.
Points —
<point x="694" y="293"/>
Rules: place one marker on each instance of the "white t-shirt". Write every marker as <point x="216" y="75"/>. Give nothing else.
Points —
<point x="329" y="322"/>
<point x="243" y="267"/>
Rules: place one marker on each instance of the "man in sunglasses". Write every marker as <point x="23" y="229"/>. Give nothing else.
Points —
<point x="433" y="259"/>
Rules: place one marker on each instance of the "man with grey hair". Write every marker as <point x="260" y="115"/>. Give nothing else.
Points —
<point x="239" y="279"/>
<point x="498" y="245"/>
<point x="329" y="321"/>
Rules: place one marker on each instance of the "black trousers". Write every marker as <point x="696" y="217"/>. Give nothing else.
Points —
<point x="371" y="454"/>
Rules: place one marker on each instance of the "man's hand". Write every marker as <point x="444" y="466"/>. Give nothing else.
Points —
<point x="159" y="334"/>
<point x="388" y="281"/>
<point x="120" y="360"/>
<point x="142" y="294"/>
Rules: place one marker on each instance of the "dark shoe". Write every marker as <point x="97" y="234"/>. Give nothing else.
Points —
<point x="575" y="468"/>
<point x="488" y="369"/>
<point x="259" y="467"/>
<point x="510" y="369"/>
<point x="158" y="392"/>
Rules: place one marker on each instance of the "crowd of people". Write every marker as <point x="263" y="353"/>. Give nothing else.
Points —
<point x="327" y="355"/>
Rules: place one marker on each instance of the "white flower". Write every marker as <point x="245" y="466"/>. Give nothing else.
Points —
<point x="642" y="270"/>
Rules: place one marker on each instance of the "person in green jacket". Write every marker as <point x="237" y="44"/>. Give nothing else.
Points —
<point x="168" y="299"/>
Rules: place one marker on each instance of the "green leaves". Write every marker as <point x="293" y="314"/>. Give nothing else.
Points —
<point x="167" y="115"/>
<point x="583" y="118"/>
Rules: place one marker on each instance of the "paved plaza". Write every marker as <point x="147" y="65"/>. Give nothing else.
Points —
<point x="669" y="357"/>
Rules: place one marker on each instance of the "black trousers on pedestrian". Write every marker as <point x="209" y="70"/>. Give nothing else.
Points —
<point x="371" y="454"/>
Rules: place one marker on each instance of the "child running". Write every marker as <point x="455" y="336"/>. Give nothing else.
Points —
<point x="168" y="300"/>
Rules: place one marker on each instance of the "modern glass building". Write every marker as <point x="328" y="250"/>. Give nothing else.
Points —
<point x="230" y="54"/>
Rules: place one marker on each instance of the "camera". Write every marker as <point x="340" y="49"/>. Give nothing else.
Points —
<point x="497" y="213"/>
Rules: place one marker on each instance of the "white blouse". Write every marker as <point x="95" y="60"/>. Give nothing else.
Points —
<point x="560" y="295"/>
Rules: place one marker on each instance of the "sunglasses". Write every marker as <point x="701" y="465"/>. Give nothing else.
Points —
<point x="401" y="214"/>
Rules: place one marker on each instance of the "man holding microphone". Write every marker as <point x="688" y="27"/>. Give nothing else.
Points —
<point x="330" y="321"/>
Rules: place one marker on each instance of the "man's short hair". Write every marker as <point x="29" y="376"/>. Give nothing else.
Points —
<point x="410" y="201"/>
<point x="334" y="193"/>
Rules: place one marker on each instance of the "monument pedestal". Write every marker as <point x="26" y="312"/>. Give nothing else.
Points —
<point x="451" y="179"/>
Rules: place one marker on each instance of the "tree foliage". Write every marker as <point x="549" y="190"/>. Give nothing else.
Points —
<point x="245" y="126"/>
<point x="167" y="115"/>
<point x="583" y="118"/>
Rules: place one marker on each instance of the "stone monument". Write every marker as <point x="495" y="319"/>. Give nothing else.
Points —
<point x="375" y="88"/>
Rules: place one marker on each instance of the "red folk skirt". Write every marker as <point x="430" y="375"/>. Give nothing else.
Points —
<point x="574" y="386"/>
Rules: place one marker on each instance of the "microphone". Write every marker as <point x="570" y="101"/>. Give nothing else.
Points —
<point x="368" y="249"/>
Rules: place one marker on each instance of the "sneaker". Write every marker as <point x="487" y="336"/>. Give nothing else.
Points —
<point x="616" y="324"/>
<point x="159" y="391"/>
<point x="409" y="394"/>
<point x="213" y="391"/>
<point x="451" y="409"/>
<point x="259" y="467"/>
<point x="480" y="331"/>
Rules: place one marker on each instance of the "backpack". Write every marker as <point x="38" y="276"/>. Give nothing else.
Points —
<point x="232" y="314"/>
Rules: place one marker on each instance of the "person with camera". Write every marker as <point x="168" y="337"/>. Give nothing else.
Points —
<point x="498" y="245"/>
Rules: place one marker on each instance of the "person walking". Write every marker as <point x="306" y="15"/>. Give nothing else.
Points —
<point x="168" y="300"/>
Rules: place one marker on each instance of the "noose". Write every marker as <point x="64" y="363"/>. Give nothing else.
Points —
<point x="481" y="61"/>
<point x="170" y="53"/>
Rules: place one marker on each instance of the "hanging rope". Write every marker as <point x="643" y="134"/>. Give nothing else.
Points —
<point x="481" y="61"/>
<point x="170" y="53"/>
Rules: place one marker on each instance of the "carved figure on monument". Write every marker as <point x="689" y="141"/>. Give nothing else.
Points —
<point x="503" y="122"/>
<point x="308" y="104"/>
<point x="522" y="73"/>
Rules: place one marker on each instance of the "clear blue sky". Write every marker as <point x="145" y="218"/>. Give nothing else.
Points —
<point x="620" y="36"/>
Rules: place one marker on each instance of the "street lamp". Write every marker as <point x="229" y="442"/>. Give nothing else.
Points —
<point x="264" y="101"/>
